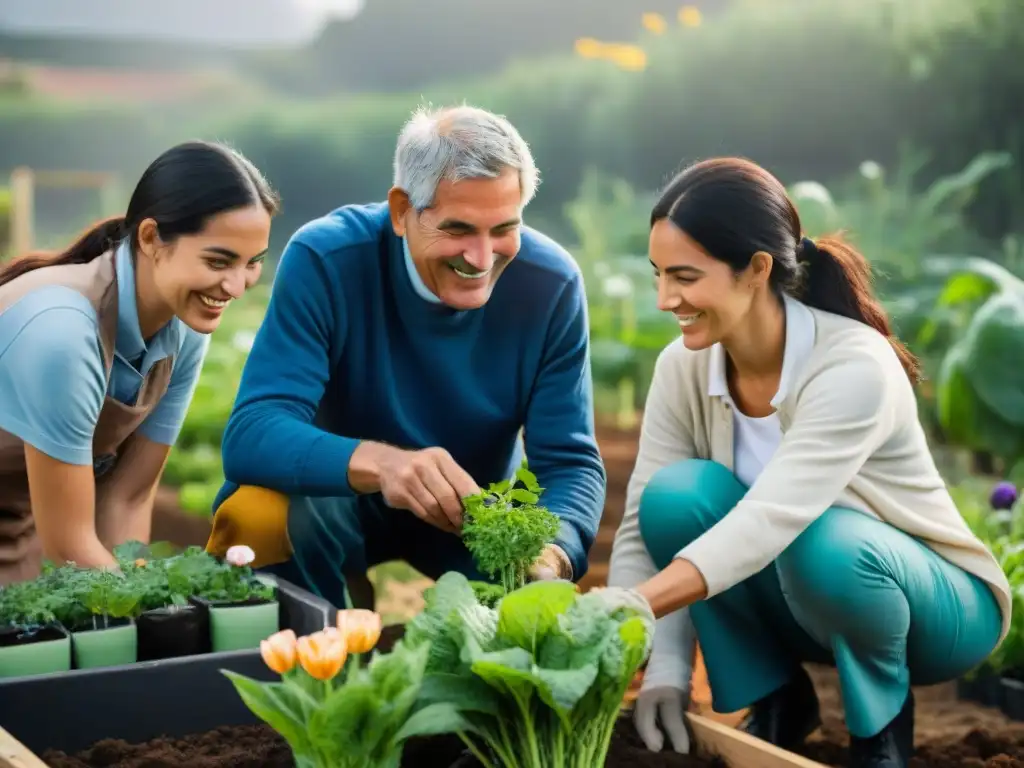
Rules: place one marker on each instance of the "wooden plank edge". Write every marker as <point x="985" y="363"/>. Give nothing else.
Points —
<point x="739" y="749"/>
<point x="14" y="754"/>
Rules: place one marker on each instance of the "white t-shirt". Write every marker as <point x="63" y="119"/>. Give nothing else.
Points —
<point x="756" y="439"/>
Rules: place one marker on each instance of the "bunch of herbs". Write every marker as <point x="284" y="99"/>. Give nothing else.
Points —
<point x="506" y="529"/>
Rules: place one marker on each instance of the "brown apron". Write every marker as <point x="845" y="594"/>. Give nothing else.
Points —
<point x="21" y="553"/>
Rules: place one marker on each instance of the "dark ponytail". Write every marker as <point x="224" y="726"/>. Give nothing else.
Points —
<point x="837" y="279"/>
<point x="180" y="190"/>
<point x="734" y="208"/>
<point x="93" y="244"/>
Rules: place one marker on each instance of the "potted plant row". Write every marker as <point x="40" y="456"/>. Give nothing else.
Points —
<point x="999" y="681"/>
<point x="157" y="604"/>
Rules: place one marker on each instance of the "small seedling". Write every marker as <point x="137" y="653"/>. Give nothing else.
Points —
<point x="505" y="529"/>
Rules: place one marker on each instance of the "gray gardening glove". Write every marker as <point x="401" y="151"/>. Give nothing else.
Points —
<point x="621" y="597"/>
<point x="664" y="696"/>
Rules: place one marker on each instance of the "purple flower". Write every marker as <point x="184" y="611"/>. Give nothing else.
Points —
<point x="1004" y="495"/>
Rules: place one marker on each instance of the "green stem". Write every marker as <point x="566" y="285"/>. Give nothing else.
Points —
<point x="484" y="761"/>
<point x="507" y="750"/>
<point x="528" y="732"/>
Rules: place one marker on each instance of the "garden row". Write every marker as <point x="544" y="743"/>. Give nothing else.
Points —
<point x="999" y="681"/>
<point x="153" y="607"/>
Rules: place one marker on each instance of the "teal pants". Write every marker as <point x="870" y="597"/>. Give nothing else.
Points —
<point x="850" y="591"/>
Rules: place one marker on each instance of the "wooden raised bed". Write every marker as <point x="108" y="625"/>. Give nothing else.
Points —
<point x="735" y="748"/>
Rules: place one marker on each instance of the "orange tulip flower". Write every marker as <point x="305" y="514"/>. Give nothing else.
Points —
<point x="360" y="628"/>
<point x="322" y="654"/>
<point x="278" y="651"/>
<point x="140" y="562"/>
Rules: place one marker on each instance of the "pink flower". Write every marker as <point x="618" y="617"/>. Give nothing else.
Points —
<point x="240" y="555"/>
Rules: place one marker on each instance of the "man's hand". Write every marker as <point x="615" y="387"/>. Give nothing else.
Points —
<point x="428" y="482"/>
<point x="552" y="563"/>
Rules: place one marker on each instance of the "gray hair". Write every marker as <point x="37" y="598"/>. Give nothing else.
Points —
<point x="457" y="143"/>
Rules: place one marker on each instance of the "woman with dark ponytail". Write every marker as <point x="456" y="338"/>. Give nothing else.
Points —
<point x="784" y="507"/>
<point x="101" y="347"/>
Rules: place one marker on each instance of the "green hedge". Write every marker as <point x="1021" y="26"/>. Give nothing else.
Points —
<point x="808" y="89"/>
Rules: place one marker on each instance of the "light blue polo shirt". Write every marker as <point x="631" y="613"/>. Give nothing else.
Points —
<point x="52" y="380"/>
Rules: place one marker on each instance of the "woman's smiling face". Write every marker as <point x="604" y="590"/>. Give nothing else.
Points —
<point x="708" y="299"/>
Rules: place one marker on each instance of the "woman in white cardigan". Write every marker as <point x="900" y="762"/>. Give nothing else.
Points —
<point x="785" y="507"/>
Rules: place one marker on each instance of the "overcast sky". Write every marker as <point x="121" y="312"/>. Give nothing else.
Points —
<point x="231" y="22"/>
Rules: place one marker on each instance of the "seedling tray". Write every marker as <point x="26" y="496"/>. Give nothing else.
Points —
<point x="141" y="701"/>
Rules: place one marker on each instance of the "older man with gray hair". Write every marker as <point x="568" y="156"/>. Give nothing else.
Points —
<point x="411" y="352"/>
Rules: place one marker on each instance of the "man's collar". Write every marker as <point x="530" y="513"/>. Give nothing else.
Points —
<point x="414" y="275"/>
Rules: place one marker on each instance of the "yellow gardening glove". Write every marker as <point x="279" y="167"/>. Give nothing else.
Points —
<point x="256" y="517"/>
<point x="552" y="563"/>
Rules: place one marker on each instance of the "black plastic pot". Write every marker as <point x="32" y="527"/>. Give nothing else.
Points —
<point x="1012" y="698"/>
<point x="174" y="631"/>
<point x="984" y="688"/>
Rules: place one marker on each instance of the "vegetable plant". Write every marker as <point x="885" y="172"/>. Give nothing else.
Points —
<point x="27" y="606"/>
<point x="540" y="679"/>
<point x="996" y="516"/>
<point x="217" y="581"/>
<point x="87" y="598"/>
<point x="334" y="712"/>
<point x="505" y="529"/>
<point x="109" y="595"/>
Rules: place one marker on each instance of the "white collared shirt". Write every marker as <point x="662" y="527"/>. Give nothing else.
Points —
<point x="756" y="439"/>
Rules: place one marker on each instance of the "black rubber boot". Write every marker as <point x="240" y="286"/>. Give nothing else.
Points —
<point x="892" y="747"/>
<point x="787" y="716"/>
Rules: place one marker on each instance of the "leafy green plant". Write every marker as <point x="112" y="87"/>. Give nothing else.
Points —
<point x="28" y="605"/>
<point x="162" y="577"/>
<point x="488" y="594"/>
<point x="539" y="680"/>
<point x="110" y="595"/>
<point x="995" y="513"/>
<point x="223" y="582"/>
<point x="505" y="529"/>
<point x="980" y="399"/>
<point x="88" y="598"/>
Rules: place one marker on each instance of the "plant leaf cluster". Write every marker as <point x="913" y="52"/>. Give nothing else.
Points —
<point x="539" y="680"/>
<point x="506" y="529"/>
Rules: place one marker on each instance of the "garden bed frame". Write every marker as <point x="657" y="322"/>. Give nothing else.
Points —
<point x="111" y="702"/>
<point x="736" y="748"/>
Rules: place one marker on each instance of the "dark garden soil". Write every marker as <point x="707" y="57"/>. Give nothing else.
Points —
<point x="260" y="747"/>
<point x="949" y="733"/>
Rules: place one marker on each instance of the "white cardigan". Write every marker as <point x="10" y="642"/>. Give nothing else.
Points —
<point x="851" y="437"/>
